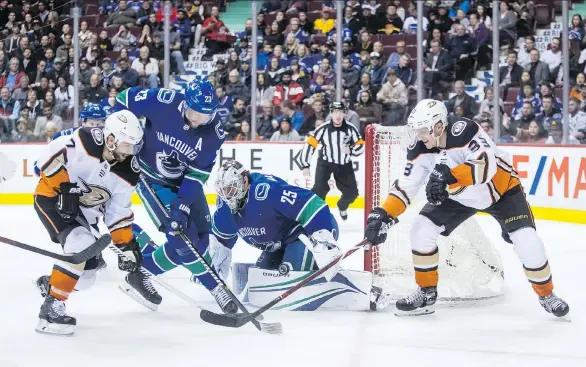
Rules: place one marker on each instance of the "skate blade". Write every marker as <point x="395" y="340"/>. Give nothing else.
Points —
<point x="130" y="292"/>
<point x="46" y="327"/>
<point x="418" y="312"/>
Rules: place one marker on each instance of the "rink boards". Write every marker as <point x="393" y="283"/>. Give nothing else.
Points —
<point x="554" y="178"/>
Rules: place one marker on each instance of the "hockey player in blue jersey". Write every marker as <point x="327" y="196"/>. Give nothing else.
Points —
<point x="182" y="139"/>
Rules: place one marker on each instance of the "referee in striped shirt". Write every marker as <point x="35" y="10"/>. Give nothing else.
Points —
<point x="339" y="142"/>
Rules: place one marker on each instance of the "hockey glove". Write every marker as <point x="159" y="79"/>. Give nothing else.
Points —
<point x="178" y="216"/>
<point x="68" y="201"/>
<point x="437" y="186"/>
<point x="375" y="234"/>
<point x="134" y="257"/>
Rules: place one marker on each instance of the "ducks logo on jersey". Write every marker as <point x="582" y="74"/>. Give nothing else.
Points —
<point x="169" y="165"/>
<point x="93" y="195"/>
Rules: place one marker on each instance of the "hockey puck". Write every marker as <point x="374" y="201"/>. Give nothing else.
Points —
<point x="284" y="269"/>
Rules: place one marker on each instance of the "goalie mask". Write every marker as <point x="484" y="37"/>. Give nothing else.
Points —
<point x="231" y="185"/>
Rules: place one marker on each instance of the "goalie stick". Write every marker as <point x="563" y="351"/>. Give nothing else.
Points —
<point x="270" y="328"/>
<point x="239" y="320"/>
<point x="77" y="258"/>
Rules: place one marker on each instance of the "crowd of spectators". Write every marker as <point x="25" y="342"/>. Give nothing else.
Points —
<point x="120" y="46"/>
<point x="296" y="74"/>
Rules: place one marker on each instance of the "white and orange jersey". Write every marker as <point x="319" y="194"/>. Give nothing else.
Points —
<point x="484" y="171"/>
<point x="106" y="188"/>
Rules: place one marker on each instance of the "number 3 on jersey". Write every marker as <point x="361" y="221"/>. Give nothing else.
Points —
<point x="288" y="197"/>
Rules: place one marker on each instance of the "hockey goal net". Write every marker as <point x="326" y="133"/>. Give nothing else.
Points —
<point x="470" y="266"/>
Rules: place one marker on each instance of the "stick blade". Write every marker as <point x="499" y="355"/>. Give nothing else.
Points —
<point x="234" y="321"/>
<point x="92" y="251"/>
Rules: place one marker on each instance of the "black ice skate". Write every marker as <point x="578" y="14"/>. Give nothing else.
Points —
<point x="43" y="285"/>
<point x="343" y="214"/>
<point x="420" y="302"/>
<point x="53" y="319"/>
<point x="224" y="301"/>
<point x="139" y="287"/>
<point x="554" y="305"/>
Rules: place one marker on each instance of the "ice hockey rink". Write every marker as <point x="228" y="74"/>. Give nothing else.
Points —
<point x="113" y="330"/>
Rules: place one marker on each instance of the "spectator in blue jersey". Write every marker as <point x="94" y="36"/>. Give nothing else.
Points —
<point x="296" y="117"/>
<point x="183" y="26"/>
<point x="393" y="60"/>
<point x="225" y="104"/>
<point x="526" y="94"/>
<point x="264" y="56"/>
<point x="576" y="31"/>
<point x="461" y="47"/>
<point x="548" y="111"/>
<point x="108" y="6"/>
<point x="377" y="72"/>
<point x="348" y="52"/>
<point x="295" y="29"/>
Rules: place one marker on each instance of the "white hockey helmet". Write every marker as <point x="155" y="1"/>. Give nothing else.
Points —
<point x="230" y="184"/>
<point x="126" y="130"/>
<point x="425" y="115"/>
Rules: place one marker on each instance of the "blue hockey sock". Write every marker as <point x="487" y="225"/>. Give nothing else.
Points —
<point x="199" y="271"/>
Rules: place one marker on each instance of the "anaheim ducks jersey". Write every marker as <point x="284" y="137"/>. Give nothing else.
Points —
<point x="483" y="171"/>
<point x="106" y="188"/>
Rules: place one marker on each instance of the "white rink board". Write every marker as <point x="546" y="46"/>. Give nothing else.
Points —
<point x="554" y="178"/>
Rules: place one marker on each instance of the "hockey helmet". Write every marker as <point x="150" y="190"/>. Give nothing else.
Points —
<point x="230" y="184"/>
<point x="127" y="132"/>
<point x="92" y="115"/>
<point x="201" y="102"/>
<point x="425" y="115"/>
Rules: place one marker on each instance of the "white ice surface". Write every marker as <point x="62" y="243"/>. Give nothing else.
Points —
<point x="113" y="330"/>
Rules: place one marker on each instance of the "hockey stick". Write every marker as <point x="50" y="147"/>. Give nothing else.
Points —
<point x="271" y="328"/>
<point x="157" y="279"/>
<point x="80" y="257"/>
<point x="239" y="320"/>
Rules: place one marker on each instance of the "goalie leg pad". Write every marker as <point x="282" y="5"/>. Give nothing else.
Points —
<point x="347" y="290"/>
<point x="298" y="257"/>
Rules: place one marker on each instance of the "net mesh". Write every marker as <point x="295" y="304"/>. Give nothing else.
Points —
<point x="470" y="266"/>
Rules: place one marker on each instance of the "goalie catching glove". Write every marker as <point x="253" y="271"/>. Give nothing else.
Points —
<point x="377" y="225"/>
<point x="437" y="186"/>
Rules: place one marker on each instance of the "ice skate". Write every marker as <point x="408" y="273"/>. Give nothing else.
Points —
<point x="53" y="318"/>
<point x="554" y="305"/>
<point x="343" y="214"/>
<point x="378" y="299"/>
<point x="139" y="287"/>
<point x="43" y="285"/>
<point x="420" y="302"/>
<point x="224" y="301"/>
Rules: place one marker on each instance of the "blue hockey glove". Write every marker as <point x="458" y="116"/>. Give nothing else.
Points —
<point x="437" y="186"/>
<point x="178" y="216"/>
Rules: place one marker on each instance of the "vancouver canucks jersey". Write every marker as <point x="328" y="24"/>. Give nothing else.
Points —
<point x="173" y="155"/>
<point x="275" y="213"/>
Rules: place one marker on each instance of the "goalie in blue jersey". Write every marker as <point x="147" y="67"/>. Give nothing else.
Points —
<point x="182" y="137"/>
